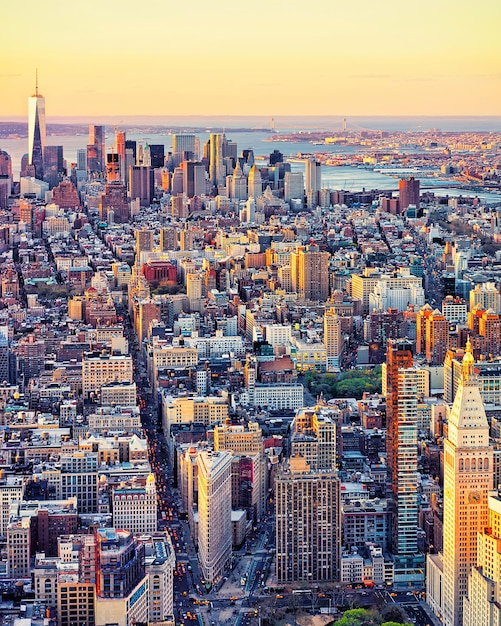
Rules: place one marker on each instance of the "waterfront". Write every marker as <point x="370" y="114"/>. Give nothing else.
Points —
<point x="349" y="178"/>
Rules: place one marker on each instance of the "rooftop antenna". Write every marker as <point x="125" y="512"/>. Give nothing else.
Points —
<point x="36" y="82"/>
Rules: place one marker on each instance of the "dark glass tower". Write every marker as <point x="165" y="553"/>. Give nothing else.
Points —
<point x="96" y="152"/>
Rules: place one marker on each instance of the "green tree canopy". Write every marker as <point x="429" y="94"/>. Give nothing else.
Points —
<point x="358" y="617"/>
<point x="351" y="384"/>
<point x="364" y="617"/>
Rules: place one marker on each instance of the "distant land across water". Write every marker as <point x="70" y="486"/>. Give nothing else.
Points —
<point x="251" y="132"/>
<point x="284" y="123"/>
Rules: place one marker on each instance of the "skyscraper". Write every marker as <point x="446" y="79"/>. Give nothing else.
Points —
<point x="293" y="186"/>
<point x="157" y="155"/>
<point x="168" y="238"/>
<point x="487" y="296"/>
<point x="468" y="477"/>
<point x="333" y="340"/>
<point x="112" y="167"/>
<point x="255" y="182"/>
<point x="409" y="562"/>
<point x="489" y="327"/>
<point x="144" y="240"/>
<point x="81" y="172"/>
<point x="436" y="337"/>
<point x="313" y="436"/>
<point x="214" y="513"/>
<point x="5" y="178"/>
<point x="130" y="144"/>
<point x="310" y="275"/>
<point x="216" y="156"/>
<point x="193" y="178"/>
<point x="146" y="152"/>
<point x="141" y="184"/>
<point x="483" y="603"/>
<point x="313" y="175"/>
<point x="401" y="456"/>
<point x="96" y="151"/>
<point x="121" y="581"/>
<point x="120" y="147"/>
<point x="53" y="165"/>
<point x="114" y="199"/>
<point x="409" y="193"/>
<point x="276" y="157"/>
<point x="36" y="131"/>
<point x="308" y="524"/>
<point x="194" y="289"/>
<point x="177" y="183"/>
<point x="5" y="164"/>
<point x="238" y="184"/>
<point x="398" y="355"/>
<point x="183" y="143"/>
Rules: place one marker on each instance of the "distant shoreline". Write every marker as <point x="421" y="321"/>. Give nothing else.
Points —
<point x="255" y="123"/>
<point x="19" y="130"/>
<point x="14" y="130"/>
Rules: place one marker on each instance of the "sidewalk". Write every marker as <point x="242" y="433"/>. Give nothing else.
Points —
<point x="434" y="621"/>
<point x="232" y="587"/>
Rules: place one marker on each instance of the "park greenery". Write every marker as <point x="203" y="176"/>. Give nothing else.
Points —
<point x="48" y="291"/>
<point x="351" y="384"/>
<point x="170" y="289"/>
<point x="390" y="616"/>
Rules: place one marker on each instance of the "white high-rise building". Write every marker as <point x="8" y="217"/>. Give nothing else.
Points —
<point x="214" y="513"/>
<point x="485" y="296"/>
<point x="313" y="178"/>
<point x="468" y="478"/>
<point x="135" y="507"/>
<point x="183" y="142"/>
<point x="293" y="186"/>
<point x="455" y="310"/>
<point x="248" y="214"/>
<point x="278" y="334"/>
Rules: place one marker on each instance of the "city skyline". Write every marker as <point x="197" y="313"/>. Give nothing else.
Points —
<point x="234" y="390"/>
<point x="374" y="59"/>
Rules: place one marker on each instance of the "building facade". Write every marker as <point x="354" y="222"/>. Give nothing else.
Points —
<point x="308" y="524"/>
<point x="468" y="477"/>
<point x="214" y="513"/>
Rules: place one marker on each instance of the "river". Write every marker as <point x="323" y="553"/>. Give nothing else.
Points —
<point x="349" y="178"/>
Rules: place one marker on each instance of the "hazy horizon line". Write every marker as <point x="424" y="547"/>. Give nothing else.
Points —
<point x="263" y="116"/>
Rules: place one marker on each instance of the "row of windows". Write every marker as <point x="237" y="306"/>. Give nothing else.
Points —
<point x="465" y="465"/>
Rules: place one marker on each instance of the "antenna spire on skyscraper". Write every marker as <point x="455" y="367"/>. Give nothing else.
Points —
<point x="36" y="130"/>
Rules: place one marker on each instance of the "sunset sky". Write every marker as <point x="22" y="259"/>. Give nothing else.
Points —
<point x="261" y="57"/>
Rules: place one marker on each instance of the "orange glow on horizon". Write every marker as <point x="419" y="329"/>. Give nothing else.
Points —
<point x="259" y="58"/>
